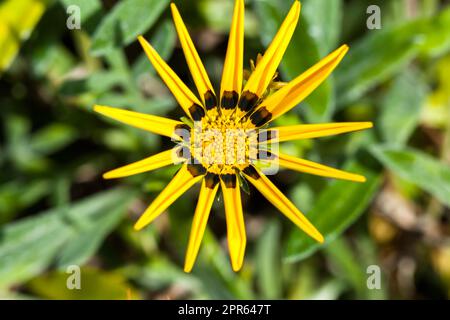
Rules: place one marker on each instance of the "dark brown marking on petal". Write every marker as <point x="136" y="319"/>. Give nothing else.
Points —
<point x="248" y="101"/>
<point x="266" y="135"/>
<point x="229" y="180"/>
<point x="197" y="112"/>
<point x="265" y="155"/>
<point x="184" y="131"/>
<point x="211" y="180"/>
<point x="184" y="153"/>
<point x="260" y="117"/>
<point x="229" y="100"/>
<point x="251" y="172"/>
<point x="210" y="100"/>
<point x="195" y="168"/>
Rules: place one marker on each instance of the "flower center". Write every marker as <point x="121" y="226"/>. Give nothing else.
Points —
<point x="222" y="144"/>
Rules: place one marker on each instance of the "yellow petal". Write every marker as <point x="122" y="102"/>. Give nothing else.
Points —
<point x="183" y="180"/>
<point x="158" y="125"/>
<point x="266" y="68"/>
<point x="198" y="72"/>
<point x="208" y="192"/>
<point x="187" y="100"/>
<point x="297" y="90"/>
<point x="303" y="165"/>
<point x="279" y="200"/>
<point x="151" y="163"/>
<point x="309" y="131"/>
<point x="235" y="219"/>
<point x="232" y="75"/>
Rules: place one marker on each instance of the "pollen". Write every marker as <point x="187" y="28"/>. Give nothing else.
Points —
<point x="222" y="143"/>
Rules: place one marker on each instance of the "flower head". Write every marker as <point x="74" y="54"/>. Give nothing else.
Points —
<point x="229" y="139"/>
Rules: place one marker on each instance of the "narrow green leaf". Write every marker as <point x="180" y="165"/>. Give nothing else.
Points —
<point x="96" y="83"/>
<point x="325" y="19"/>
<point x="16" y="195"/>
<point x="336" y="208"/>
<point x="401" y="108"/>
<point x="94" y="284"/>
<point x="161" y="273"/>
<point x="418" y="168"/>
<point x="163" y="41"/>
<point x="28" y="246"/>
<point x="86" y="242"/>
<point x="52" y="138"/>
<point x="370" y="61"/>
<point x="127" y="20"/>
<point x="351" y="267"/>
<point x="268" y="262"/>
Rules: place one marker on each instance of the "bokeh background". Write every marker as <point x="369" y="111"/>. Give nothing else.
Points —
<point x="56" y="210"/>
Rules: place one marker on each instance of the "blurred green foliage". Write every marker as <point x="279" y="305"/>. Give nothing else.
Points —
<point x="56" y="210"/>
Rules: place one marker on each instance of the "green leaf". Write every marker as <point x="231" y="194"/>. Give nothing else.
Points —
<point x="336" y="208"/>
<point x="302" y="53"/>
<point x="94" y="284"/>
<point x="17" y="195"/>
<point x="351" y="265"/>
<point x="127" y="20"/>
<point x="85" y="243"/>
<point x="53" y="61"/>
<point x="349" y="268"/>
<point x="268" y="262"/>
<point x="243" y="183"/>
<point x="52" y="138"/>
<point x="28" y="246"/>
<point x="163" y="41"/>
<point x="401" y="108"/>
<point x="161" y="273"/>
<point x="324" y="18"/>
<point x="370" y="61"/>
<point x="96" y="83"/>
<point x="214" y="270"/>
<point x="418" y="168"/>
<point x="434" y="34"/>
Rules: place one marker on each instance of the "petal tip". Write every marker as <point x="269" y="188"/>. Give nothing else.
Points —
<point x="187" y="268"/>
<point x="107" y="176"/>
<point x="343" y="50"/>
<point x="362" y="179"/>
<point x="139" y="225"/>
<point x="173" y="8"/>
<point x="98" y="108"/>
<point x="320" y="238"/>
<point x="236" y="267"/>
<point x="144" y="43"/>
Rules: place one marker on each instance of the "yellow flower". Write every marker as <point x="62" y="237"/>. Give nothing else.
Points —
<point x="225" y="142"/>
